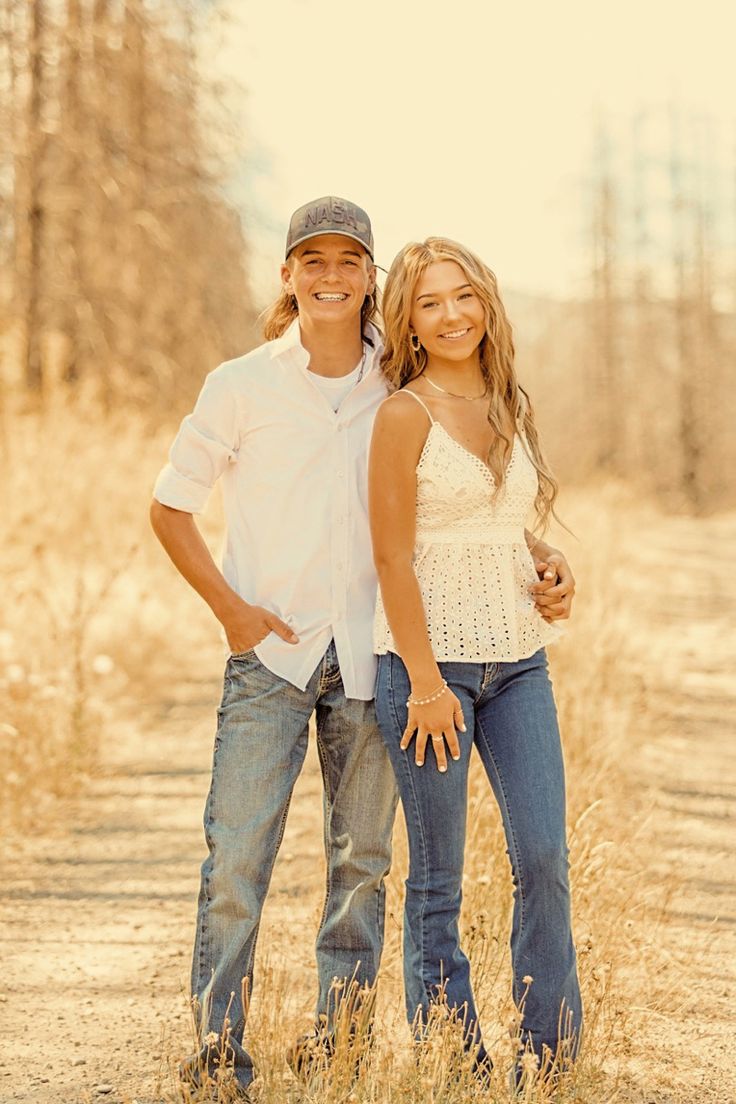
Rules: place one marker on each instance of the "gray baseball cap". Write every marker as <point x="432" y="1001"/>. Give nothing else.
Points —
<point x="330" y="215"/>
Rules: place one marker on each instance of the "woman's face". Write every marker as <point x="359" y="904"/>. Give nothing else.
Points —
<point x="446" y="314"/>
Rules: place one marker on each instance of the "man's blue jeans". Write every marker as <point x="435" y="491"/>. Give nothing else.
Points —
<point x="259" y="750"/>
<point x="511" y="718"/>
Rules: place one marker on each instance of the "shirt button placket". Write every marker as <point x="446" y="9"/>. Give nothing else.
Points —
<point x="339" y="525"/>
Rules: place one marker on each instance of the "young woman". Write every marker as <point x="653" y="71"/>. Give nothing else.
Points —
<point x="455" y="470"/>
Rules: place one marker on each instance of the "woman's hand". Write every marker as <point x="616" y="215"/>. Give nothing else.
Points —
<point x="553" y="594"/>
<point x="438" y="721"/>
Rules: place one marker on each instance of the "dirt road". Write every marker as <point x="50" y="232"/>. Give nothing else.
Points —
<point x="687" y="642"/>
<point x="98" y="910"/>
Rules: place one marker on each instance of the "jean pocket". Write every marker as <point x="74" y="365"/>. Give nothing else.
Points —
<point x="242" y="655"/>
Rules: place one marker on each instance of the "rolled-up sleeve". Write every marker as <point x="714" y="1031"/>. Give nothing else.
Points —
<point x="206" y="443"/>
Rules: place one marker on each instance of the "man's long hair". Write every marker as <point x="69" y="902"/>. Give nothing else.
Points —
<point x="401" y="362"/>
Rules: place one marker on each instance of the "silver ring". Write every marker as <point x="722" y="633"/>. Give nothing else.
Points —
<point x="436" y="737"/>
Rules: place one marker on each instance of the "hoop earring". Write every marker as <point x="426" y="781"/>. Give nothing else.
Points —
<point x="415" y="342"/>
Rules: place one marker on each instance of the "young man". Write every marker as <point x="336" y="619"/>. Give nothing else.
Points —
<point x="287" y="428"/>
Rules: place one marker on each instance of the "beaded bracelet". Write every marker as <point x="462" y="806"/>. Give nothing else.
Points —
<point x="430" y="698"/>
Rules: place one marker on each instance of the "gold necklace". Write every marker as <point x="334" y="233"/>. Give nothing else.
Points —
<point x="453" y="394"/>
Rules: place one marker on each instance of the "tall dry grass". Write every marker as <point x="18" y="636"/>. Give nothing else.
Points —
<point x="95" y="623"/>
<point x="90" y="607"/>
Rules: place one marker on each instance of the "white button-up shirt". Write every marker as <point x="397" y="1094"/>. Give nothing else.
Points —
<point x="295" y="489"/>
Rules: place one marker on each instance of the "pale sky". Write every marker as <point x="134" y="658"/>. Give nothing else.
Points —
<point x="470" y="119"/>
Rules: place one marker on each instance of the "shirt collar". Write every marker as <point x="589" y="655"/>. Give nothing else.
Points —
<point x="374" y="352"/>
<point x="290" y="339"/>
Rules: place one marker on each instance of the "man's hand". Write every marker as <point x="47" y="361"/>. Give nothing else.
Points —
<point x="246" y="625"/>
<point x="554" y="592"/>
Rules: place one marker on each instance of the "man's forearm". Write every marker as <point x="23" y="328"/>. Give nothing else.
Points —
<point x="187" y="550"/>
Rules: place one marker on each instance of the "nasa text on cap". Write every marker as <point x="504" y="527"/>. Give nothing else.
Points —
<point x="330" y="215"/>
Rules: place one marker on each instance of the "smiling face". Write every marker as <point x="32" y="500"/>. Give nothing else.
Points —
<point x="446" y="314"/>
<point x="329" y="276"/>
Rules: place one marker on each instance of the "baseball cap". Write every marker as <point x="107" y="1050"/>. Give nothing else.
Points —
<point x="330" y="215"/>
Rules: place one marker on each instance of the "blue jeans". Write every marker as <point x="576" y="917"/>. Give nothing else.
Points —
<point x="511" y="718"/>
<point x="259" y="750"/>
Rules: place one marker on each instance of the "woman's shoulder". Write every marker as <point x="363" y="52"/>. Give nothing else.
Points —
<point x="400" y="432"/>
<point x="404" y="408"/>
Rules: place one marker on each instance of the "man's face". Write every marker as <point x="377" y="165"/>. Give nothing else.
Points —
<point x="330" y="276"/>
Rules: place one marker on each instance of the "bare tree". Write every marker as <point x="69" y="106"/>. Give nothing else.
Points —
<point x="30" y="226"/>
<point x="126" y="253"/>
<point x="608" y="400"/>
<point x="659" y="385"/>
<point x="72" y="134"/>
<point x="688" y="428"/>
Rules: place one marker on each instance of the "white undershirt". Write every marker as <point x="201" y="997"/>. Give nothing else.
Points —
<point x="337" y="388"/>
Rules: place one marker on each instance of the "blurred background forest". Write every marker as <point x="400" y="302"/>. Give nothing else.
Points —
<point x="126" y="267"/>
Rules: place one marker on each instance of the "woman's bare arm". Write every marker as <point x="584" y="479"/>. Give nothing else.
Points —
<point x="398" y="438"/>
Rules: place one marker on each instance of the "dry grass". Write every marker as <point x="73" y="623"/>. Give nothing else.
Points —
<point x="89" y="605"/>
<point x="85" y="634"/>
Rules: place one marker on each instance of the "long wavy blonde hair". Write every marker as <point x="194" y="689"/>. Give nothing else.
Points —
<point x="401" y="363"/>
<point x="277" y="318"/>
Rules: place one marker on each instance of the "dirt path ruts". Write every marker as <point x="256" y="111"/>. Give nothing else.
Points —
<point x="687" y="642"/>
<point x="98" y="914"/>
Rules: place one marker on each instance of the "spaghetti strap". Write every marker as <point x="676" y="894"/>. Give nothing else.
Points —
<point x="405" y="391"/>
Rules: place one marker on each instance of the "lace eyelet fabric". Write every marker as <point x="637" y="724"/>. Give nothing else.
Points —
<point x="471" y="559"/>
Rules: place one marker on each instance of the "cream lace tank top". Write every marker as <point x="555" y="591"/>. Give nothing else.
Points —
<point x="471" y="559"/>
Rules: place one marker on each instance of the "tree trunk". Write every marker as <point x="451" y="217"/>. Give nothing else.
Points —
<point x="74" y="185"/>
<point x="32" y="231"/>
